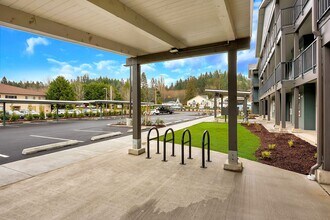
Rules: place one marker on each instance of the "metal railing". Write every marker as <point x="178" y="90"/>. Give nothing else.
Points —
<point x="165" y="141"/>
<point x="305" y="61"/>
<point x="268" y="84"/>
<point x="323" y="8"/>
<point x="255" y="81"/>
<point x="150" y="139"/>
<point x="183" y="142"/>
<point x="298" y="8"/>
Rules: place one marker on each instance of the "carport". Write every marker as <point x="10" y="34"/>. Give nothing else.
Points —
<point x="145" y="31"/>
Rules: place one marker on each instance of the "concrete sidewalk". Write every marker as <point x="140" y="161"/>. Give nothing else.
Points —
<point x="115" y="185"/>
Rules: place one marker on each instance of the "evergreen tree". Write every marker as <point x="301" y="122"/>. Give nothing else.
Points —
<point x="60" y="89"/>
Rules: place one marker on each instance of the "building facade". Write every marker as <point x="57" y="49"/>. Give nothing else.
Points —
<point x="253" y="75"/>
<point x="12" y="92"/>
<point x="293" y="47"/>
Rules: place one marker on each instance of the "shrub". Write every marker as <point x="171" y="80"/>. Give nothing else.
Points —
<point x="266" y="154"/>
<point x="271" y="146"/>
<point x="290" y="143"/>
<point x="42" y="115"/>
<point x="315" y="155"/>
<point x="159" y="122"/>
<point x="74" y="114"/>
<point x="49" y="115"/>
<point x="14" y="117"/>
<point x="29" y="117"/>
<point x="66" y="114"/>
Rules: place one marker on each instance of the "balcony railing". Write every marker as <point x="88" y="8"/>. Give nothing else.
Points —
<point x="283" y="71"/>
<point x="305" y="61"/>
<point x="255" y="82"/>
<point x="268" y="84"/>
<point x="324" y="7"/>
<point x="298" y="8"/>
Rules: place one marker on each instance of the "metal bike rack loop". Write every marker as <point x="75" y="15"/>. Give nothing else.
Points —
<point x="206" y="134"/>
<point x="186" y="131"/>
<point x="150" y="139"/>
<point x="165" y="141"/>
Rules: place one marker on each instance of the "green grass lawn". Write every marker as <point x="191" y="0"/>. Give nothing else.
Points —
<point x="247" y="142"/>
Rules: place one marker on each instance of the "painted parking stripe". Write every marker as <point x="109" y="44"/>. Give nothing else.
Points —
<point x="5" y="156"/>
<point x="94" y="131"/>
<point x="53" y="138"/>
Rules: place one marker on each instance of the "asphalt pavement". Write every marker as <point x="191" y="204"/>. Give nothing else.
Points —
<point x="16" y="137"/>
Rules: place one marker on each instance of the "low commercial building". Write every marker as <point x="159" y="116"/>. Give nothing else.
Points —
<point x="253" y="75"/>
<point x="200" y="101"/>
<point x="12" y="92"/>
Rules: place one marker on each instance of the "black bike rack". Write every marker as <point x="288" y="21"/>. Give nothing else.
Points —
<point x="206" y="134"/>
<point x="150" y="139"/>
<point x="186" y="131"/>
<point x="165" y="141"/>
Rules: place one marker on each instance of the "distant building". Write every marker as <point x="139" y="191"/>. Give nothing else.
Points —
<point x="12" y="92"/>
<point x="173" y="104"/>
<point x="201" y="101"/>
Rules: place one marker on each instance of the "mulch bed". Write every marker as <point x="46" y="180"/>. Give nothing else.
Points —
<point x="298" y="158"/>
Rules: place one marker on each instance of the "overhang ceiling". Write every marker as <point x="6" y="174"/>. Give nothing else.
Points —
<point x="132" y="27"/>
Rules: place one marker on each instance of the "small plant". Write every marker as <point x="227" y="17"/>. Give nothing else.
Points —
<point x="315" y="155"/>
<point x="74" y="113"/>
<point x="271" y="146"/>
<point x="49" y="115"/>
<point x="290" y="143"/>
<point x="14" y="117"/>
<point x="258" y="127"/>
<point x="266" y="154"/>
<point x="29" y="117"/>
<point x="159" y="122"/>
<point x="66" y="113"/>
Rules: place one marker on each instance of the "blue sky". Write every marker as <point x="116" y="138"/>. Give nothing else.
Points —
<point x="25" y="56"/>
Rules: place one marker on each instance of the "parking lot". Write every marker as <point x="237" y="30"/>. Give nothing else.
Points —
<point x="16" y="137"/>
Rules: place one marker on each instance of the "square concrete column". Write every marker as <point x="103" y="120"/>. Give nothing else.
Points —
<point x="136" y="72"/>
<point x="215" y="105"/>
<point x="221" y="97"/>
<point x="264" y="108"/>
<point x="296" y="50"/>
<point x="232" y="163"/>
<point x="295" y="107"/>
<point x="245" y="109"/>
<point x="283" y="108"/>
<point x="268" y="108"/>
<point x="277" y="107"/>
<point x="4" y="115"/>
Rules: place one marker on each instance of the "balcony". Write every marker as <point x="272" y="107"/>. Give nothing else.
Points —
<point x="255" y="82"/>
<point x="305" y="61"/>
<point x="298" y="8"/>
<point x="324" y="7"/>
<point x="283" y="71"/>
<point x="268" y="84"/>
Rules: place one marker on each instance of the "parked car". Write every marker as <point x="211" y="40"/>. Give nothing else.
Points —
<point x="21" y="115"/>
<point x="154" y="111"/>
<point x="165" y="110"/>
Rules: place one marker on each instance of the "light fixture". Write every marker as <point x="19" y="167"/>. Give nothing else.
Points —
<point x="174" y="50"/>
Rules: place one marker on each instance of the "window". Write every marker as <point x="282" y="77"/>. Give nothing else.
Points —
<point x="11" y="97"/>
<point x="26" y="97"/>
<point x="34" y="97"/>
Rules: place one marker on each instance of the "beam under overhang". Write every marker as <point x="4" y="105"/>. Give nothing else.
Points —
<point x="224" y="15"/>
<point x="28" y="22"/>
<point x="120" y="10"/>
<point x="202" y="50"/>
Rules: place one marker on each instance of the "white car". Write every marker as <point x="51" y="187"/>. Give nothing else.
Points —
<point x="154" y="111"/>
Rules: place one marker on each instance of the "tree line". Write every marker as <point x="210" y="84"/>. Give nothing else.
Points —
<point x="155" y="90"/>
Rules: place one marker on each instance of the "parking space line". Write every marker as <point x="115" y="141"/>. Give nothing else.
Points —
<point x="94" y="131"/>
<point x="5" y="156"/>
<point x="53" y="138"/>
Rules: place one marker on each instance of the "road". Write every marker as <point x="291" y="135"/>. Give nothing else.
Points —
<point x="14" y="138"/>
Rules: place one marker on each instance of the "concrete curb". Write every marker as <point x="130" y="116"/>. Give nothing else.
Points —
<point x="32" y="150"/>
<point x="102" y="136"/>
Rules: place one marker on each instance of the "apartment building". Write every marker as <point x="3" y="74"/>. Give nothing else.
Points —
<point x="253" y="75"/>
<point x="293" y="47"/>
<point x="12" y="92"/>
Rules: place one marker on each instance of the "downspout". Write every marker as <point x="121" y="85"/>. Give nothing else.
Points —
<point x="320" y="132"/>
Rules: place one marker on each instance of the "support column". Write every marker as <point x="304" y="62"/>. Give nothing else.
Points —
<point x="283" y="108"/>
<point x="136" y="72"/>
<point x="264" y="108"/>
<point x="215" y="105"/>
<point x="245" y="109"/>
<point x="221" y="104"/>
<point x="130" y="92"/>
<point x="295" y="107"/>
<point x="268" y="108"/>
<point x="260" y="107"/>
<point x="296" y="50"/>
<point x="4" y="114"/>
<point x="232" y="163"/>
<point x="277" y="107"/>
<point x="323" y="106"/>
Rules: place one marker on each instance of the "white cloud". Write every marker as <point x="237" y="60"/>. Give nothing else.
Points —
<point x="99" y="55"/>
<point x="105" y="64"/>
<point x="148" y="67"/>
<point x="174" y="64"/>
<point x="34" y="41"/>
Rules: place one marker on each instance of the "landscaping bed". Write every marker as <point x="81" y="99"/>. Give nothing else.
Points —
<point x="299" y="157"/>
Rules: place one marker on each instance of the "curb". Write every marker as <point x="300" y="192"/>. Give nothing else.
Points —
<point x="102" y="136"/>
<point x="32" y="150"/>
